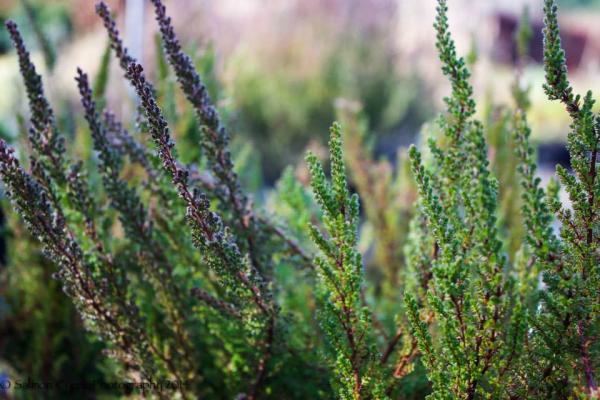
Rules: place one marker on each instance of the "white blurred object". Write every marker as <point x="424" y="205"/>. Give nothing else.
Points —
<point x="134" y="39"/>
<point x="134" y="28"/>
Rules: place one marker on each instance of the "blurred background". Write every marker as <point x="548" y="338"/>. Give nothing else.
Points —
<point x="277" y="67"/>
<point x="281" y="71"/>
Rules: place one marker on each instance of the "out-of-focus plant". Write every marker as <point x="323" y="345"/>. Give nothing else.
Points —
<point x="48" y="22"/>
<point x="499" y="128"/>
<point x="579" y="3"/>
<point x="387" y="192"/>
<point x="281" y="103"/>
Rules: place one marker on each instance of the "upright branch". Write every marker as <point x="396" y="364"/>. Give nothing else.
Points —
<point x="48" y="162"/>
<point x="116" y="43"/>
<point x="216" y="140"/>
<point x="43" y="133"/>
<point x="346" y="322"/>
<point x="133" y="216"/>
<point x="536" y="213"/>
<point x="469" y="295"/>
<point x="210" y="236"/>
<point x="49" y="165"/>
<point x="461" y="104"/>
<point x="567" y="317"/>
<point x="215" y="145"/>
<point x="123" y="198"/>
<point x="557" y="86"/>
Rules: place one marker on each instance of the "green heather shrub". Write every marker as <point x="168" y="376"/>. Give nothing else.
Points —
<point x="498" y="333"/>
<point x="42" y="336"/>
<point x="433" y="287"/>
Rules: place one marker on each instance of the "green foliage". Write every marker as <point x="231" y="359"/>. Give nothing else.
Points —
<point x="179" y="269"/>
<point x="484" y="314"/>
<point x="47" y="49"/>
<point x="387" y="193"/>
<point x="523" y="34"/>
<point x="566" y="317"/>
<point x="43" y="336"/>
<point x="345" y="320"/>
<point x="102" y="76"/>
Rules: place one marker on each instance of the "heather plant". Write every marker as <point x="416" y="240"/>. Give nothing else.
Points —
<point x="566" y="317"/>
<point x="42" y="336"/>
<point x="182" y="274"/>
<point x="227" y="286"/>
<point x="152" y="338"/>
<point x="346" y="321"/>
<point x="469" y="293"/>
<point x="484" y="315"/>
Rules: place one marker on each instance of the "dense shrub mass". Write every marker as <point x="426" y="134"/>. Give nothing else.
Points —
<point x="183" y="276"/>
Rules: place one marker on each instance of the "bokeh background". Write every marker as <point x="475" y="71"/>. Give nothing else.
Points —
<point x="280" y="71"/>
<point x="279" y="66"/>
